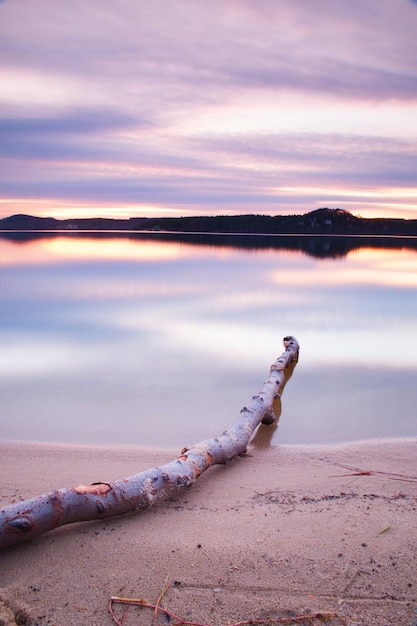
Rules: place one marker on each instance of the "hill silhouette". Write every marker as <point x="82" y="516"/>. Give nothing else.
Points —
<point x="323" y="221"/>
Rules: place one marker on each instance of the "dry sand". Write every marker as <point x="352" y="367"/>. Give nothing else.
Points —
<point x="279" y="533"/>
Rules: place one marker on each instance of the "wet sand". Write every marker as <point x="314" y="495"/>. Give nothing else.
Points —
<point x="279" y="533"/>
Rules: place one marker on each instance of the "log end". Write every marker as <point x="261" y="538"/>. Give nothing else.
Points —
<point x="290" y="341"/>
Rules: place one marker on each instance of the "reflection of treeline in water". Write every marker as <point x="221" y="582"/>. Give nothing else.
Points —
<point x="319" y="222"/>
<point x="321" y="246"/>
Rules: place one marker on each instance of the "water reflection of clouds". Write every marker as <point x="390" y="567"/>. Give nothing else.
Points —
<point x="116" y="249"/>
<point x="27" y="357"/>
<point x="76" y="249"/>
<point x="194" y="333"/>
<point x="96" y="289"/>
<point x="337" y="404"/>
<point x="376" y="267"/>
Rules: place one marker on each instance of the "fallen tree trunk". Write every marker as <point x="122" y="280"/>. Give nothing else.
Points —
<point x="25" y="520"/>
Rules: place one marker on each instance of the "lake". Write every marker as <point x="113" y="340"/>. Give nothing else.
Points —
<point x="160" y="339"/>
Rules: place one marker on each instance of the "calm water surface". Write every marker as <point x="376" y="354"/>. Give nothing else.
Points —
<point x="160" y="340"/>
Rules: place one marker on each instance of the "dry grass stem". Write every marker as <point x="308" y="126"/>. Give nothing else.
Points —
<point x="323" y="616"/>
<point x="356" y="471"/>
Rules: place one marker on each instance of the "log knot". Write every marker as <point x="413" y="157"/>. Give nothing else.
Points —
<point x="183" y="481"/>
<point x="20" y="524"/>
<point x="100" y="507"/>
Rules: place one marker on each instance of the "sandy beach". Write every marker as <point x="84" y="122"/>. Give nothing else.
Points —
<point x="280" y="533"/>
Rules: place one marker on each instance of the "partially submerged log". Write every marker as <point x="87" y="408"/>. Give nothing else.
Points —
<point x="25" y="520"/>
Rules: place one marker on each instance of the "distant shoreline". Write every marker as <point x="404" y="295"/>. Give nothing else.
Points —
<point x="105" y="232"/>
<point x="318" y="245"/>
<point x="322" y="221"/>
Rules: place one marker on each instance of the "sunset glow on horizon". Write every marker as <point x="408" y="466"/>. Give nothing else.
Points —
<point x="180" y="108"/>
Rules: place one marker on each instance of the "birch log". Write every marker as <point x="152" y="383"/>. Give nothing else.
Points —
<point x="25" y="520"/>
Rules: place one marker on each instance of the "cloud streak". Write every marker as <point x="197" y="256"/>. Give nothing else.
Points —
<point x="206" y="108"/>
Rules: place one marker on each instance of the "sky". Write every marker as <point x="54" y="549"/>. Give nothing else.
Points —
<point x="129" y="108"/>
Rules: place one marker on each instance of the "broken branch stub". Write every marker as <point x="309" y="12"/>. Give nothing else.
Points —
<point x="25" y="520"/>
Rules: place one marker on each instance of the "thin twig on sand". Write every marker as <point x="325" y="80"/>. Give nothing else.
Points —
<point x="323" y="616"/>
<point x="356" y="471"/>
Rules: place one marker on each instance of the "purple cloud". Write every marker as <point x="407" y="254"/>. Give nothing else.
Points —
<point x="207" y="104"/>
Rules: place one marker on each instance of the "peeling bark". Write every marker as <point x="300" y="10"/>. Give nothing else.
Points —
<point x="25" y="520"/>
